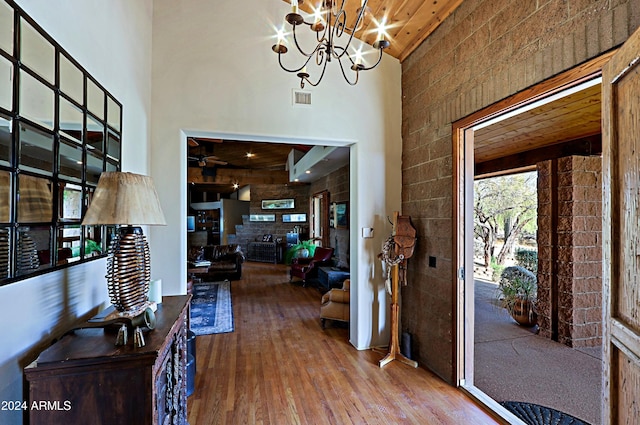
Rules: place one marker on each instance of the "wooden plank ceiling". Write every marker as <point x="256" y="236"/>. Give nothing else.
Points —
<point x="215" y="165"/>
<point x="408" y="22"/>
<point x="575" y="117"/>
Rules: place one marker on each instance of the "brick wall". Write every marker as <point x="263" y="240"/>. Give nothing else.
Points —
<point x="574" y="228"/>
<point x="252" y="231"/>
<point x="485" y="51"/>
<point x="337" y="183"/>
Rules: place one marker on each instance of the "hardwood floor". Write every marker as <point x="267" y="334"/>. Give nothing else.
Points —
<point x="280" y="367"/>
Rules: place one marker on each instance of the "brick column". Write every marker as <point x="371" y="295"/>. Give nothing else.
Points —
<point x="570" y="255"/>
<point x="545" y="240"/>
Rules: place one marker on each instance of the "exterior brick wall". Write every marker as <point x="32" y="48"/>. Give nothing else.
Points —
<point x="545" y="237"/>
<point x="485" y="51"/>
<point x="575" y="228"/>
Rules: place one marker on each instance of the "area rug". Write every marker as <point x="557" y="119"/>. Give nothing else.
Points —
<point x="534" y="414"/>
<point x="211" y="310"/>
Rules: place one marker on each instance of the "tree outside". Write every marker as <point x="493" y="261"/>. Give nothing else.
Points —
<point x="505" y="214"/>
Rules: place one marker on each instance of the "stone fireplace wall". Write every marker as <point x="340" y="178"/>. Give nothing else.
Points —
<point x="570" y="250"/>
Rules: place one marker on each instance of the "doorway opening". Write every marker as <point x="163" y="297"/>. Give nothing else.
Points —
<point x="522" y="133"/>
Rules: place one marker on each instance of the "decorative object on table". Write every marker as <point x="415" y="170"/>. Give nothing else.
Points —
<point x="330" y="23"/>
<point x="395" y="252"/>
<point x="211" y="308"/>
<point x="517" y="293"/>
<point x="126" y="199"/>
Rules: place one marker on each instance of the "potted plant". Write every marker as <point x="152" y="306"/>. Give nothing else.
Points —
<point x="518" y="289"/>
<point x="301" y="249"/>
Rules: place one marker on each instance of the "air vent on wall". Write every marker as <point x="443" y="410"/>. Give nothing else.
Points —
<point x="301" y="98"/>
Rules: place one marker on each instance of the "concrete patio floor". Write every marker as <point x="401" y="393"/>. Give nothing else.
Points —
<point x="512" y="363"/>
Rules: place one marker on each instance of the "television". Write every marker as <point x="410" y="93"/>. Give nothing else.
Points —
<point x="191" y="223"/>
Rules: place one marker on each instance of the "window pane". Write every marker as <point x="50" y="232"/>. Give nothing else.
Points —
<point x="34" y="249"/>
<point x="6" y="28"/>
<point x="71" y="80"/>
<point x="113" y="113"/>
<point x="111" y="166"/>
<point x="70" y="120"/>
<point x="94" y="168"/>
<point x="69" y="243"/>
<point x="70" y="201"/>
<point x="113" y="148"/>
<point x="93" y="241"/>
<point x="95" y="99"/>
<point x="5" y="196"/>
<point x="5" y="141"/>
<point x="6" y="83"/>
<point x="95" y="134"/>
<point x="70" y="162"/>
<point x="36" y="150"/>
<point x="36" y="100"/>
<point x="36" y="52"/>
<point x="35" y="201"/>
<point x="5" y="252"/>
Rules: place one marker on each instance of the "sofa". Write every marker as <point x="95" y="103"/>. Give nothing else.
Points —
<point x="335" y="304"/>
<point x="225" y="262"/>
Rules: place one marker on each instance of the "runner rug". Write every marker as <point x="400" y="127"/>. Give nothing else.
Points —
<point x="211" y="310"/>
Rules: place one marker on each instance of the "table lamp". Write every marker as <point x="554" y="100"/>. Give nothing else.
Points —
<point x="127" y="200"/>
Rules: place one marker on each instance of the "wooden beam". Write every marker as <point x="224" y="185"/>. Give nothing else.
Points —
<point x="586" y="146"/>
<point x="242" y="176"/>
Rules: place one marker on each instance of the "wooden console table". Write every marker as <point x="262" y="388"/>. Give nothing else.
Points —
<point x="87" y="379"/>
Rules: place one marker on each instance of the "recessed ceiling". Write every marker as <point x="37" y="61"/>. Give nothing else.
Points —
<point x="571" y="117"/>
<point x="247" y="163"/>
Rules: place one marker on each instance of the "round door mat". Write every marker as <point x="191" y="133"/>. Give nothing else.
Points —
<point x="534" y="414"/>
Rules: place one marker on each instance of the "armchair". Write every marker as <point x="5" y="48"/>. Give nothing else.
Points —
<point x="335" y="304"/>
<point x="308" y="267"/>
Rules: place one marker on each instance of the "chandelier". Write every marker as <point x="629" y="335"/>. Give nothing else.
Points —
<point x="330" y="24"/>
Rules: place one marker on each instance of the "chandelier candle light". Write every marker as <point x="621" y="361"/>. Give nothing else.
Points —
<point x="125" y="199"/>
<point x="330" y="24"/>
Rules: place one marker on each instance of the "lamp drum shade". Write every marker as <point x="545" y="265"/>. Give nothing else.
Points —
<point x="124" y="198"/>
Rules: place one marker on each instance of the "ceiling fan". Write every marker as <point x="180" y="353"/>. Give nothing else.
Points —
<point x="206" y="160"/>
<point x="202" y="159"/>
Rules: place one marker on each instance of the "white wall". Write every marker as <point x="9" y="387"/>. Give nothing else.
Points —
<point x="112" y="40"/>
<point x="214" y="73"/>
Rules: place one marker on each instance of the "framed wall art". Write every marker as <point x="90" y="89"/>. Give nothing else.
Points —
<point x="341" y="215"/>
<point x="278" y="204"/>
<point x="294" y="218"/>
<point x="262" y="217"/>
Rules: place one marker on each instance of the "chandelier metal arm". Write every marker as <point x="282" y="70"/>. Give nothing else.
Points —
<point x="292" y="70"/>
<point x="295" y="39"/>
<point x="305" y="77"/>
<point x="344" y="74"/>
<point x="375" y="64"/>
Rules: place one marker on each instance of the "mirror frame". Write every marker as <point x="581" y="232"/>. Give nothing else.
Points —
<point x="62" y="249"/>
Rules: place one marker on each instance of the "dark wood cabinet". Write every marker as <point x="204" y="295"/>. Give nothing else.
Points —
<point x="84" y="378"/>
